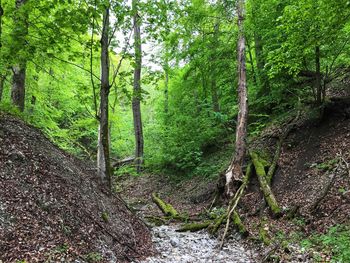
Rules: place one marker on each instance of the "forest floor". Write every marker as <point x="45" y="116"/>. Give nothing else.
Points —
<point x="53" y="209"/>
<point x="314" y="162"/>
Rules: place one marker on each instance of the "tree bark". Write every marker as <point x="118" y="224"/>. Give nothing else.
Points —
<point x="166" y="88"/>
<point x="19" y="70"/>
<point x="251" y="63"/>
<point x="136" y="101"/>
<point x="1" y="14"/>
<point x="234" y="172"/>
<point x="214" y="91"/>
<point x="2" y="84"/>
<point x="318" y="86"/>
<point x="103" y="160"/>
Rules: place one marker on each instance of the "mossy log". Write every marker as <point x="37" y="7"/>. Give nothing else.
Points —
<point x="193" y="227"/>
<point x="237" y="222"/>
<point x="276" y="157"/>
<point x="167" y="209"/>
<point x="214" y="226"/>
<point x="158" y="221"/>
<point x="264" y="185"/>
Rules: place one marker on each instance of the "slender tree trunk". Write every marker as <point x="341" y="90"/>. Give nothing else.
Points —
<point x="259" y="52"/>
<point x="136" y="101"/>
<point x="2" y="84"/>
<point x="234" y="172"/>
<point x="103" y="160"/>
<point x="1" y="14"/>
<point x="214" y="91"/>
<point x="318" y="86"/>
<point x="2" y="77"/>
<point x="166" y="88"/>
<point x="19" y="70"/>
<point x="18" y="86"/>
<point x="251" y="62"/>
<point x="214" y="95"/>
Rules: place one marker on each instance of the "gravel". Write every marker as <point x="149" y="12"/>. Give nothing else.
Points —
<point x="199" y="247"/>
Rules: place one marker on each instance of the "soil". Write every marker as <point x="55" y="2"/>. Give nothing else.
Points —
<point x="52" y="208"/>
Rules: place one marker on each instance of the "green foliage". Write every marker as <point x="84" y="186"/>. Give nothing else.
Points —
<point x="62" y="249"/>
<point x="333" y="244"/>
<point x="105" y="216"/>
<point x="327" y="165"/>
<point x="93" y="257"/>
<point x="191" y="132"/>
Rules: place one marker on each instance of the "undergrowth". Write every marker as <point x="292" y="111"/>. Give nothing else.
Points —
<point x="334" y="244"/>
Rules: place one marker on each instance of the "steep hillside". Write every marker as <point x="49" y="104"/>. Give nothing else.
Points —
<point x="52" y="208"/>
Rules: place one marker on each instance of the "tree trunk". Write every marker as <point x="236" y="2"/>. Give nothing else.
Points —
<point x="318" y="86"/>
<point x="103" y="160"/>
<point x="2" y="84"/>
<point x="18" y="86"/>
<point x="166" y="88"/>
<point x="251" y="63"/>
<point x="214" y="95"/>
<point x="214" y="91"/>
<point x="136" y="105"/>
<point x="19" y="70"/>
<point x="1" y="14"/>
<point x="234" y="172"/>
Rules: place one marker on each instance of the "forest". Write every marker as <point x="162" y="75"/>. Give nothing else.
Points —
<point x="227" y="117"/>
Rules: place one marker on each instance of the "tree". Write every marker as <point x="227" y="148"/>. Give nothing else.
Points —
<point x="19" y="38"/>
<point x="103" y="158"/>
<point x="136" y="100"/>
<point x="235" y="171"/>
<point x="310" y="36"/>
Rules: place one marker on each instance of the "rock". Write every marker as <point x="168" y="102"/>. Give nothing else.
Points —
<point x="174" y="242"/>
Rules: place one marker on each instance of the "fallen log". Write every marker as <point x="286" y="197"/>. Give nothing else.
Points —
<point x="193" y="227"/>
<point x="119" y="163"/>
<point x="264" y="185"/>
<point x="167" y="209"/>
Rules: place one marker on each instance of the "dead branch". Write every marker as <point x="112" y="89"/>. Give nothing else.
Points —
<point x="234" y="202"/>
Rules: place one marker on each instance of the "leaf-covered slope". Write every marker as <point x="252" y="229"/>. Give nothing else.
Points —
<point x="52" y="208"/>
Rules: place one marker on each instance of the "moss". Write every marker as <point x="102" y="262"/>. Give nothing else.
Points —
<point x="263" y="235"/>
<point x="269" y="197"/>
<point x="93" y="257"/>
<point x="193" y="227"/>
<point x="158" y="221"/>
<point x="214" y="226"/>
<point x="105" y="216"/>
<point x="237" y="222"/>
<point x="166" y="208"/>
